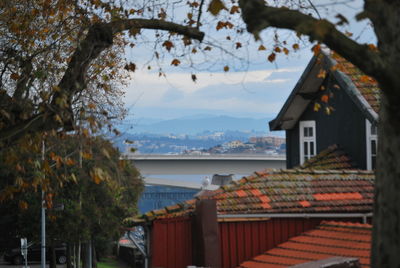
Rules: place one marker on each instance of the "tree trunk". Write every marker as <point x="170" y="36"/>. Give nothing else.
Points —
<point x="386" y="220"/>
<point x="69" y="256"/>
<point x="94" y="257"/>
<point x="85" y="262"/>
<point x="52" y="252"/>
<point x="78" y="255"/>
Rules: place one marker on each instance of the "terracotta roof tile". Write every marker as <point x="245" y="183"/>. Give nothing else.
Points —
<point x="331" y="158"/>
<point x="305" y="203"/>
<point x="366" y="85"/>
<point x="327" y="240"/>
<point x="254" y="264"/>
<point x="288" y="191"/>
<point x="241" y="193"/>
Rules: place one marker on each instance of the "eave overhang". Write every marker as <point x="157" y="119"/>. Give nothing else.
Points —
<point x="307" y="89"/>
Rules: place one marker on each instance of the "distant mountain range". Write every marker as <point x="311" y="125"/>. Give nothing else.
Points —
<point x="198" y="124"/>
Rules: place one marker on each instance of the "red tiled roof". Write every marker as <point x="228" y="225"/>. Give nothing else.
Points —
<point x="287" y="191"/>
<point x="330" y="158"/>
<point x="366" y="85"/>
<point x="328" y="240"/>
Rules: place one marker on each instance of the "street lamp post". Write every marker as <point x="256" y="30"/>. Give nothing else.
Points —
<point x="43" y="235"/>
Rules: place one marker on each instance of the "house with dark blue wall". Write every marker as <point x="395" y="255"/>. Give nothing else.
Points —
<point x="332" y="103"/>
<point x="160" y="196"/>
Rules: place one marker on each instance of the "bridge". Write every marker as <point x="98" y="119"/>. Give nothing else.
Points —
<point x="175" y="178"/>
<point x="241" y="164"/>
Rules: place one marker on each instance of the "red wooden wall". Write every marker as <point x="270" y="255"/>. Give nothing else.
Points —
<point x="240" y="241"/>
<point x="171" y="245"/>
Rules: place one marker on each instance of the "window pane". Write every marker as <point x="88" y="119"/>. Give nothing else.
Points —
<point x="373" y="160"/>
<point x="374" y="130"/>
<point x="311" y="148"/>
<point x="310" y="132"/>
<point x="305" y="132"/>
<point x="305" y="148"/>
<point x="373" y="147"/>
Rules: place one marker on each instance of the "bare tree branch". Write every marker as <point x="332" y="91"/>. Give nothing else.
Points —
<point x="259" y="16"/>
<point x="123" y="25"/>
<point x="99" y="37"/>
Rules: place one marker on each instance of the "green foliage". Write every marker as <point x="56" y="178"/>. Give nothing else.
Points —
<point x="94" y="205"/>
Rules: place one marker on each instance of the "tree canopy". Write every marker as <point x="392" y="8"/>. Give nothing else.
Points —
<point x="94" y="205"/>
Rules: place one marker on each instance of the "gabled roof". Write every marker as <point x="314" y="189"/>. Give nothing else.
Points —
<point x="287" y="191"/>
<point x="362" y="89"/>
<point x="332" y="158"/>
<point x="327" y="240"/>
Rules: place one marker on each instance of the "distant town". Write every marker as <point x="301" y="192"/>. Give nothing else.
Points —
<point x="204" y="144"/>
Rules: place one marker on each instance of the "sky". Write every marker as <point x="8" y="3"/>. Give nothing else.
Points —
<point x="252" y="88"/>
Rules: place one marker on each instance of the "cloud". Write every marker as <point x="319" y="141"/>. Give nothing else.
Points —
<point x="257" y="92"/>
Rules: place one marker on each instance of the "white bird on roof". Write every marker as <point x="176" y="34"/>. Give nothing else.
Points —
<point x="205" y="182"/>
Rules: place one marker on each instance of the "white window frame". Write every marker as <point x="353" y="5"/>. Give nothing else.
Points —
<point x="369" y="138"/>
<point x="302" y="125"/>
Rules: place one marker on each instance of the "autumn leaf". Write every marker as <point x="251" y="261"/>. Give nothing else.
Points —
<point x="175" y="62"/>
<point x="277" y="49"/>
<point x="316" y="49"/>
<point x="69" y="162"/>
<point x="215" y="7"/>
<point x="58" y="118"/>
<point x="98" y="175"/>
<point x="162" y="15"/>
<point x="271" y="57"/>
<point x="372" y="47"/>
<point x="134" y="31"/>
<point x="349" y="34"/>
<point x="334" y="67"/>
<point x="295" y="46"/>
<point x="317" y="107"/>
<point x="73" y="178"/>
<point x="194" y="78"/>
<point x="207" y="48"/>
<point x="328" y="110"/>
<point x="23" y="205"/>
<point x="91" y="105"/>
<point x="322" y="74"/>
<point x="14" y="76"/>
<point x="325" y="98"/>
<point x="85" y="132"/>
<point x="130" y="67"/>
<point x="286" y="51"/>
<point x="261" y="47"/>
<point x="105" y="153"/>
<point x="168" y="45"/>
<point x="226" y="68"/>
<point x="342" y="19"/>
<point x="86" y="155"/>
<point x="194" y="4"/>
<point x="234" y="9"/>
<point x="238" y="45"/>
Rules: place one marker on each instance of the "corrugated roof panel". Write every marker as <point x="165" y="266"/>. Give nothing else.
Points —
<point x="327" y="240"/>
